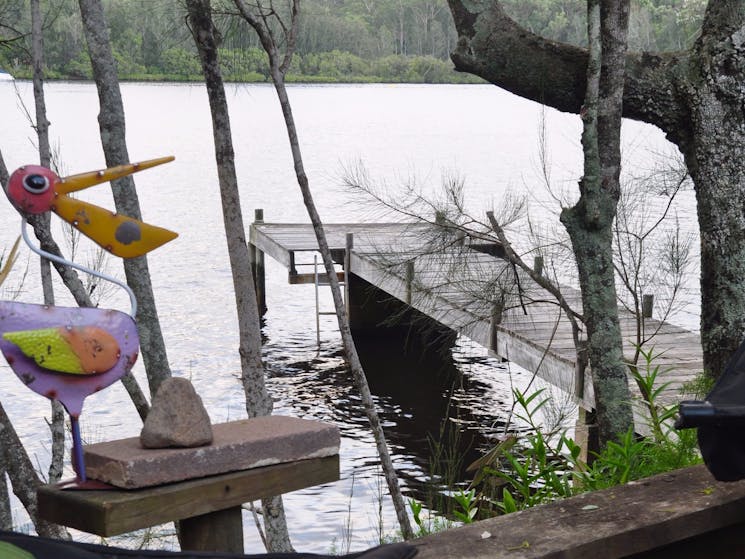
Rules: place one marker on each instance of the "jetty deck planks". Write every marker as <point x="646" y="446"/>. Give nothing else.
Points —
<point x="448" y="285"/>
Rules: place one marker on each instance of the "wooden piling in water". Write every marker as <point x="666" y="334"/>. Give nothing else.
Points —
<point x="647" y="305"/>
<point x="347" y="264"/>
<point x="256" y="257"/>
<point x="409" y="280"/>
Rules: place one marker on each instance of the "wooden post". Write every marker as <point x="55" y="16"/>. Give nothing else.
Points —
<point x="318" y="304"/>
<point x="256" y="257"/>
<point x="538" y="265"/>
<point x="409" y="280"/>
<point x="347" y="265"/>
<point x="494" y="320"/>
<point x="222" y="529"/>
<point x="647" y="306"/>
<point x="586" y="435"/>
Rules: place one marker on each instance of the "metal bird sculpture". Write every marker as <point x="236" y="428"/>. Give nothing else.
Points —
<point x="34" y="189"/>
<point x="68" y="353"/>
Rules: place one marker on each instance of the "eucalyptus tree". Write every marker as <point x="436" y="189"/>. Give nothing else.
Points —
<point x="694" y="95"/>
<point x="258" y="400"/>
<point x="590" y="221"/>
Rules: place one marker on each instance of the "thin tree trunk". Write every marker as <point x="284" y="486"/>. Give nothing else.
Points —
<point x="23" y="477"/>
<point x="6" y="515"/>
<point x="278" y="70"/>
<point x="112" y="125"/>
<point x="14" y="459"/>
<point x="57" y="424"/>
<point x="258" y="400"/>
<point x="590" y="222"/>
<point x="346" y="333"/>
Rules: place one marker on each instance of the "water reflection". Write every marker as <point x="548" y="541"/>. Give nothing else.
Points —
<point x="428" y="403"/>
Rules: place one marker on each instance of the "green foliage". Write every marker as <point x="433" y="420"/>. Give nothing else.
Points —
<point x="467" y="506"/>
<point x="338" y="41"/>
<point x="177" y="61"/>
<point x="699" y="387"/>
<point x="654" y="25"/>
<point x="429" y="524"/>
<point x="540" y="468"/>
<point x="647" y="380"/>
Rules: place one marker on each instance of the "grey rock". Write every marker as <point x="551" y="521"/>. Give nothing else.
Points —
<point x="177" y="418"/>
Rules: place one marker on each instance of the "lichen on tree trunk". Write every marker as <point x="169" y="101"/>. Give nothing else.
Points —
<point x="590" y="221"/>
<point x="714" y="156"/>
<point x="694" y="96"/>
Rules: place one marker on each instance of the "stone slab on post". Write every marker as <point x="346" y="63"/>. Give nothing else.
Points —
<point x="647" y="305"/>
<point x="409" y="271"/>
<point x="236" y="445"/>
<point x="272" y="455"/>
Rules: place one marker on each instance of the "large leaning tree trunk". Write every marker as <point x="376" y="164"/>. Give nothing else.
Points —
<point x="113" y="139"/>
<point x="258" y="400"/>
<point x="260" y="16"/>
<point x="694" y="96"/>
<point x="590" y="221"/>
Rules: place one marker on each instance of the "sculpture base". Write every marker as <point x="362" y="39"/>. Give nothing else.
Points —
<point x="237" y="445"/>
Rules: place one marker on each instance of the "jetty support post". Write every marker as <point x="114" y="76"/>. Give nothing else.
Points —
<point x="347" y="272"/>
<point x="647" y="305"/>
<point x="409" y="280"/>
<point x="586" y="434"/>
<point x="256" y="257"/>
<point x="538" y="265"/>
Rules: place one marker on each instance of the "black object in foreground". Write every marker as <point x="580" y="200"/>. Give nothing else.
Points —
<point x="14" y="545"/>
<point x="720" y="420"/>
<point x="702" y="413"/>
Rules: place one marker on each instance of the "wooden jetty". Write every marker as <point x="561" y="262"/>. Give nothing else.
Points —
<point x="456" y="283"/>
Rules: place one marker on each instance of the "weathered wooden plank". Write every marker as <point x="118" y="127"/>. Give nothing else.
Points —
<point x="108" y="513"/>
<point x="299" y="279"/>
<point x="686" y="509"/>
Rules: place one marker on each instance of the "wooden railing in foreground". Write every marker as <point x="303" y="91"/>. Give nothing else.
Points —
<point x="681" y="514"/>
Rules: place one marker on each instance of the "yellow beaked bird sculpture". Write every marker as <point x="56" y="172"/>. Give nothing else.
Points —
<point x="69" y="353"/>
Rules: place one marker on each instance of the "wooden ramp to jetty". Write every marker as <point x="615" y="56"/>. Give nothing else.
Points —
<point x="457" y="283"/>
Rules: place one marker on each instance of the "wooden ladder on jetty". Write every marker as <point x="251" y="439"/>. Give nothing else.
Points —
<point x="457" y="287"/>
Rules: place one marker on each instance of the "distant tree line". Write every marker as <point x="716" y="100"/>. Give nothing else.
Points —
<point x="339" y="40"/>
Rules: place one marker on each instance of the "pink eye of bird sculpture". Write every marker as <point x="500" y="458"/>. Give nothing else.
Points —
<point x="68" y="353"/>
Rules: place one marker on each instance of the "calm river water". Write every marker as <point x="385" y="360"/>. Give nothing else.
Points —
<point x="402" y="134"/>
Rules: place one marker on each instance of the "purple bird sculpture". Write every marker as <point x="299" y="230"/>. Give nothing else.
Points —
<point x="69" y="353"/>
